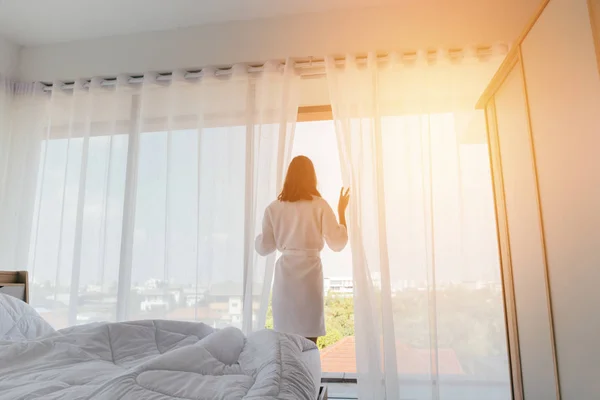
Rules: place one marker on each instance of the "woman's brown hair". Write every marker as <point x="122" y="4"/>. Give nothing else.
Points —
<point x="300" y="181"/>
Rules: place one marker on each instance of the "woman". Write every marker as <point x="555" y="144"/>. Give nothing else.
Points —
<point x="297" y="224"/>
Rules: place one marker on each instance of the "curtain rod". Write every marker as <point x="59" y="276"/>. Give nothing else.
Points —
<point x="313" y="67"/>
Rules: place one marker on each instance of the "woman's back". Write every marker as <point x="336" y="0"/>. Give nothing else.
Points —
<point x="300" y="225"/>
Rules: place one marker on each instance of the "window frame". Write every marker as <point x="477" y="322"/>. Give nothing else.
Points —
<point x="314" y="113"/>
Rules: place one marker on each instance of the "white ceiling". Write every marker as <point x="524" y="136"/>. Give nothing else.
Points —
<point x="39" y="22"/>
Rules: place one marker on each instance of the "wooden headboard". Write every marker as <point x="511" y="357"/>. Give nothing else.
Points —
<point x="15" y="283"/>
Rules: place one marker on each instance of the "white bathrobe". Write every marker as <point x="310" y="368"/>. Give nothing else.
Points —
<point x="298" y="230"/>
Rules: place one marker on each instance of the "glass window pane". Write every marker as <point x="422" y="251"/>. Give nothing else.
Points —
<point x="189" y="245"/>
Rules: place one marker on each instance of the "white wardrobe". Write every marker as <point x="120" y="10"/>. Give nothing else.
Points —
<point x="543" y="114"/>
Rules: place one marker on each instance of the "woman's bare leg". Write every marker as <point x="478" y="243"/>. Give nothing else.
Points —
<point x="313" y="339"/>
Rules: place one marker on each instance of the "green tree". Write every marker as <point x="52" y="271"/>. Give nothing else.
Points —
<point x="333" y="336"/>
<point x="269" y="322"/>
<point x="339" y="315"/>
<point x="469" y="321"/>
<point x="339" y="320"/>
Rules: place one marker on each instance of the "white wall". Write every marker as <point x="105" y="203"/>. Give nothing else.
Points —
<point x="414" y="25"/>
<point x="9" y="57"/>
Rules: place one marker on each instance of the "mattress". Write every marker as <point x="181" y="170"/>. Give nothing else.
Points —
<point x="312" y="358"/>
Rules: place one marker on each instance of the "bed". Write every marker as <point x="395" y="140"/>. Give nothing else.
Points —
<point x="312" y="358"/>
<point x="152" y="359"/>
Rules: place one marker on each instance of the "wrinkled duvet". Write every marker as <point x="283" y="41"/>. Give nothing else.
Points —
<point x="154" y="360"/>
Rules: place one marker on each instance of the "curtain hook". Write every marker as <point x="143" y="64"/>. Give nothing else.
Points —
<point x="310" y="61"/>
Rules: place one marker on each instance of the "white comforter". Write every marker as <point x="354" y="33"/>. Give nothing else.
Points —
<point x="19" y="321"/>
<point x="155" y="360"/>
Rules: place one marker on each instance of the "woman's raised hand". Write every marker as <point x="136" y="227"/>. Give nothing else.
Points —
<point x="343" y="202"/>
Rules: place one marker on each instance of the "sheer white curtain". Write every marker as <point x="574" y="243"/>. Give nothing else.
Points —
<point x="147" y="196"/>
<point x="427" y="292"/>
<point x="271" y="149"/>
<point x="22" y="123"/>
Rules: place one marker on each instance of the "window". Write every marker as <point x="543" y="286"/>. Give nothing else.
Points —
<point x="469" y="329"/>
<point x="53" y="243"/>
<point x="191" y="253"/>
<point x="187" y="255"/>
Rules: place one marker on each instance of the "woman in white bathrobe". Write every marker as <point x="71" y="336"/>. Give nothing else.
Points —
<point x="298" y="224"/>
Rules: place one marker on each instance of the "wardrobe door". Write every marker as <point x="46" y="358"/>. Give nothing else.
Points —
<point x="525" y="237"/>
<point x="563" y="88"/>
